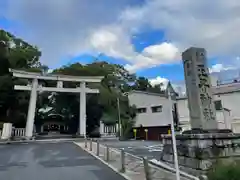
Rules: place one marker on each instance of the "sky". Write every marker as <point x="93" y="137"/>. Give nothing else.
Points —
<point x="145" y="36"/>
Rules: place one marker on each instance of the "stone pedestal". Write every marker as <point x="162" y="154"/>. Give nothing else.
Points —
<point x="6" y="131"/>
<point x="200" y="151"/>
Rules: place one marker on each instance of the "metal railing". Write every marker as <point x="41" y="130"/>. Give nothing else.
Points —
<point x="133" y="166"/>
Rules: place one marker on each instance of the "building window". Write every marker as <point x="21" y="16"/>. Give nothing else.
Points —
<point x="142" y="110"/>
<point x="156" y="109"/>
<point x="218" y="105"/>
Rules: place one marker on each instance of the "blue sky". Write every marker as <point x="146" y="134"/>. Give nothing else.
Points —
<point x="147" y="37"/>
<point x="140" y="41"/>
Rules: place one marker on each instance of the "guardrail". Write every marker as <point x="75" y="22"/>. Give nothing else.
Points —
<point x="134" y="166"/>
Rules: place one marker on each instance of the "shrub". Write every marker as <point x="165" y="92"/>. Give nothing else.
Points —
<point x="225" y="171"/>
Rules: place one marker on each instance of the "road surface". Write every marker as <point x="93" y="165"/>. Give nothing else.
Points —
<point x="149" y="149"/>
<point x="51" y="161"/>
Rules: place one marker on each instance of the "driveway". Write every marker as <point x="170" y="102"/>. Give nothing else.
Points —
<point x="51" y="161"/>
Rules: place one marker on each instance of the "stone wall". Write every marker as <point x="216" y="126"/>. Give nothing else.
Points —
<point x="200" y="151"/>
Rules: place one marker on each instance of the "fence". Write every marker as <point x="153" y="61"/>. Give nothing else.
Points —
<point x="133" y="166"/>
<point x="18" y="132"/>
<point x="108" y="130"/>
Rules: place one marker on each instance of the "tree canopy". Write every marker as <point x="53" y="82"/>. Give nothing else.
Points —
<point x="117" y="81"/>
<point x="18" y="54"/>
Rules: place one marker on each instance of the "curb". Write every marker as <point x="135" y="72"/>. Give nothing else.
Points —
<point x="104" y="162"/>
<point x="38" y="141"/>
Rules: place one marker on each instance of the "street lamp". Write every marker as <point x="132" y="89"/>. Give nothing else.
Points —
<point x="173" y="136"/>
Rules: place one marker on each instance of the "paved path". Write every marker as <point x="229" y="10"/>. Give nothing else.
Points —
<point x="51" y="161"/>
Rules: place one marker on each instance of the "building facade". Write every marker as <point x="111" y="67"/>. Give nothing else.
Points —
<point x="227" y="104"/>
<point x="153" y="113"/>
<point x="154" y="110"/>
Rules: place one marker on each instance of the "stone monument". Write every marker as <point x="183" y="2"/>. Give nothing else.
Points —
<point x="199" y="148"/>
<point x="198" y="86"/>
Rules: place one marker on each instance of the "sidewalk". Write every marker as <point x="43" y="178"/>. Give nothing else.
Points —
<point x="115" y="163"/>
<point x="130" y="166"/>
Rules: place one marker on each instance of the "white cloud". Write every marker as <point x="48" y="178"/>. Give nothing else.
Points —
<point x="62" y="28"/>
<point x="220" y="67"/>
<point x="179" y="87"/>
<point x="230" y="65"/>
<point x="161" y="51"/>
<point x="192" y="23"/>
<point x="159" y="80"/>
<point x="114" y="42"/>
<point x="68" y="28"/>
<point x="111" y="40"/>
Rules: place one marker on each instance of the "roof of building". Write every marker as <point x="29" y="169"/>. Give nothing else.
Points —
<point x="148" y="93"/>
<point x="227" y="88"/>
<point x="162" y="93"/>
<point x="222" y="89"/>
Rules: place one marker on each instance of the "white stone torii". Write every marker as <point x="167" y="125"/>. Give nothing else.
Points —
<point x="35" y="87"/>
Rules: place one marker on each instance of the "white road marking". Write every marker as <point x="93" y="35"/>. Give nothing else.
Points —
<point x="155" y="150"/>
<point x="156" y="145"/>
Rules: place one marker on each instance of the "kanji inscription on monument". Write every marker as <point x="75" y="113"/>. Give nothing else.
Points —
<point x="198" y="86"/>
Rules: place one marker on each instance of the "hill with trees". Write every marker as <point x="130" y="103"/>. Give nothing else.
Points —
<point x="15" y="53"/>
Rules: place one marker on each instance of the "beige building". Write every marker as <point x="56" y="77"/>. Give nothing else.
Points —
<point x="154" y="109"/>
<point x="227" y="103"/>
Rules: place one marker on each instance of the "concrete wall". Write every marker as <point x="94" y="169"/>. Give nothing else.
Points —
<point x="236" y="126"/>
<point x="231" y="101"/>
<point x="225" y="118"/>
<point x="148" y="119"/>
<point x="185" y="122"/>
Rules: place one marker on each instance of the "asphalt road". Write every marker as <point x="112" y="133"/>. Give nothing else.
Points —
<point x="149" y="149"/>
<point x="51" y="161"/>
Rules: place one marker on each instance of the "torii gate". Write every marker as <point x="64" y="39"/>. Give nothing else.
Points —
<point x="35" y="87"/>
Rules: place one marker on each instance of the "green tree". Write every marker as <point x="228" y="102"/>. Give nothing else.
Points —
<point x="104" y="105"/>
<point x="16" y="54"/>
<point x="143" y="84"/>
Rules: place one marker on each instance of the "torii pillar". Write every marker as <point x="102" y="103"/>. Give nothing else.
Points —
<point x="82" y="111"/>
<point x="31" y="109"/>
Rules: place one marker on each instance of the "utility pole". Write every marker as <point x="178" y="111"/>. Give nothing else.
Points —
<point x="119" y="114"/>
<point x="173" y="137"/>
<point x="119" y="118"/>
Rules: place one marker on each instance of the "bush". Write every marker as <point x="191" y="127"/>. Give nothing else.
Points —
<point x="127" y="125"/>
<point x="94" y="134"/>
<point x="225" y="171"/>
